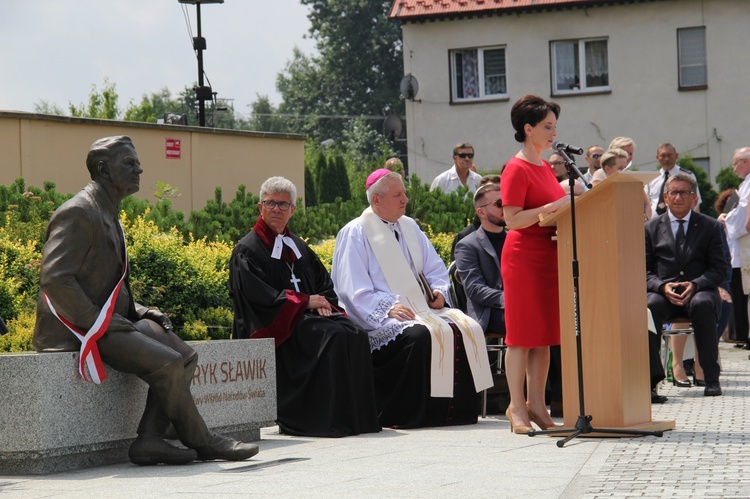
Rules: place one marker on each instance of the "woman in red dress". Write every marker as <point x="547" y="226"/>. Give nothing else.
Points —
<point x="529" y="262"/>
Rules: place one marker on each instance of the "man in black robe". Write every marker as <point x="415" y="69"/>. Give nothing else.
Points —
<point x="281" y="290"/>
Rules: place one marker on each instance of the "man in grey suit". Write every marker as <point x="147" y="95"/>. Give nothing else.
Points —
<point x="478" y="261"/>
<point x="685" y="264"/>
<point x="85" y="304"/>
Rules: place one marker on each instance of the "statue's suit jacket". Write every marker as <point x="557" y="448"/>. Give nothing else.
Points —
<point x="702" y="262"/>
<point x="82" y="262"/>
<point x="479" y="268"/>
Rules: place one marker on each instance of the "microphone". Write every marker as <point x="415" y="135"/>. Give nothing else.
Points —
<point x="562" y="146"/>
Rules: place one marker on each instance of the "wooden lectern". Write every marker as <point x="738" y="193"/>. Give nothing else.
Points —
<point x="612" y="299"/>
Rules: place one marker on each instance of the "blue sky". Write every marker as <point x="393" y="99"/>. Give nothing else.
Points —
<point x="54" y="50"/>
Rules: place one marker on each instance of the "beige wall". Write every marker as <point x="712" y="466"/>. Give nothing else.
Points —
<point x="43" y="148"/>
<point x="644" y="102"/>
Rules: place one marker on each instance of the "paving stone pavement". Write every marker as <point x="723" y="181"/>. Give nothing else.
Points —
<point x="705" y="456"/>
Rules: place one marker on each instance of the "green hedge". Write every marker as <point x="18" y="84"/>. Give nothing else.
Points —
<point x="182" y="274"/>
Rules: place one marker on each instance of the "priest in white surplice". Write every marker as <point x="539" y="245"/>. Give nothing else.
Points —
<point x="430" y="361"/>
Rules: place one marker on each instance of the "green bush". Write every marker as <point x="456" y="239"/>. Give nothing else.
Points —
<point x="180" y="279"/>
<point x="727" y="179"/>
<point x="172" y="268"/>
<point x="20" y="333"/>
<point x="19" y="272"/>
<point x="708" y="194"/>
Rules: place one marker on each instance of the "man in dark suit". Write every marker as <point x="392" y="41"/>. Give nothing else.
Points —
<point x="685" y="264"/>
<point x="85" y="303"/>
<point x="478" y="262"/>
<point x="478" y="267"/>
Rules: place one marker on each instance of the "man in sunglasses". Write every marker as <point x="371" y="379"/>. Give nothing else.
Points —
<point x="593" y="158"/>
<point x="478" y="266"/>
<point x="460" y="173"/>
<point x="478" y="261"/>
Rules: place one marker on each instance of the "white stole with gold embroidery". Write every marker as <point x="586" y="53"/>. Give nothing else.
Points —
<point x="402" y="281"/>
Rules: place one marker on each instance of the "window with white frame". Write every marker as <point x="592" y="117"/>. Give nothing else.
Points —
<point x="478" y="73"/>
<point x="580" y="66"/>
<point x="691" y="51"/>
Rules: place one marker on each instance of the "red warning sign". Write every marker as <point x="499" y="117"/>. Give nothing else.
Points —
<point x="174" y="150"/>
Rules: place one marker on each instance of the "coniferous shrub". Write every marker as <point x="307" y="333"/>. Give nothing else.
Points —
<point x="339" y="178"/>
<point x="727" y="179"/>
<point x="311" y="193"/>
<point x="708" y="194"/>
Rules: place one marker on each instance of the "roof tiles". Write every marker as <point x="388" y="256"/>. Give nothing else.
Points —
<point x="406" y="9"/>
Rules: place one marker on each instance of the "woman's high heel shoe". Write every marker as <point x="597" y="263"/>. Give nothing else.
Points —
<point x="521" y="430"/>
<point x="539" y="421"/>
<point x="681" y="384"/>
<point x="698" y="382"/>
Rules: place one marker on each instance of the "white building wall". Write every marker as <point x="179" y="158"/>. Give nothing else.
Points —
<point x="644" y="102"/>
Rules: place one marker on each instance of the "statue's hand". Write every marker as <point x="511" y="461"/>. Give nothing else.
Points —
<point x="159" y="317"/>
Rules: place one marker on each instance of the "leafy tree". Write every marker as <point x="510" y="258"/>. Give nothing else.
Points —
<point x="364" y="145"/>
<point x="153" y="107"/>
<point x="220" y="114"/>
<point x="263" y="116"/>
<point x="46" y="107"/>
<point x="357" y="72"/>
<point x="102" y="104"/>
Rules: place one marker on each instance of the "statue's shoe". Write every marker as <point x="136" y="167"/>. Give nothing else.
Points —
<point x="228" y="449"/>
<point x="148" y="450"/>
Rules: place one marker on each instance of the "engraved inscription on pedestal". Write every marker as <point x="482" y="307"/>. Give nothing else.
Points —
<point x="229" y="382"/>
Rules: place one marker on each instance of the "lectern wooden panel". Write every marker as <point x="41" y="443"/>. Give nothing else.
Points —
<point x="612" y="298"/>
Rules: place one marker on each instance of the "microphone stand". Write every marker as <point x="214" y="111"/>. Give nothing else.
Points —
<point x="583" y="424"/>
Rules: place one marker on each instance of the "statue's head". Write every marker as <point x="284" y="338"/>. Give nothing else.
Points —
<point x="113" y="163"/>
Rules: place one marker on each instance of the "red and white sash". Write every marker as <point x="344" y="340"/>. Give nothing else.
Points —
<point x="89" y="353"/>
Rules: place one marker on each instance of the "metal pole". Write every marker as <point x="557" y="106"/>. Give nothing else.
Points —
<point x="200" y="46"/>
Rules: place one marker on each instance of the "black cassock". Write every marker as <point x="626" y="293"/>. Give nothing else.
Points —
<point x="324" y="368"/>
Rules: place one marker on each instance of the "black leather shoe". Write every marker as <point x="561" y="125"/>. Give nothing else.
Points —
<point x="656" y="398"/>
<point x="227" y="449"/>
<point x="148" y="450"/>
<point x="713" y="389"/>
<point x="682" y="384"/>
<point x="698" y="382"/>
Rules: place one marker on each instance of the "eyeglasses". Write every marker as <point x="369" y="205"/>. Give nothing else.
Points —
<point x="498" y="204"/>
<point x="680" y="194"/>
<point x="557" y="163"/>
<point x="596" y="156"/>
<point x="270" y="204"/>
<point x="464" y="155"/>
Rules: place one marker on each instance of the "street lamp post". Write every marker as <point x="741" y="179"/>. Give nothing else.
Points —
<point x="202" y="92"/>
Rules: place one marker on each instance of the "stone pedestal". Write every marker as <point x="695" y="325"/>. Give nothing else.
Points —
<point x="51" y="420"/>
